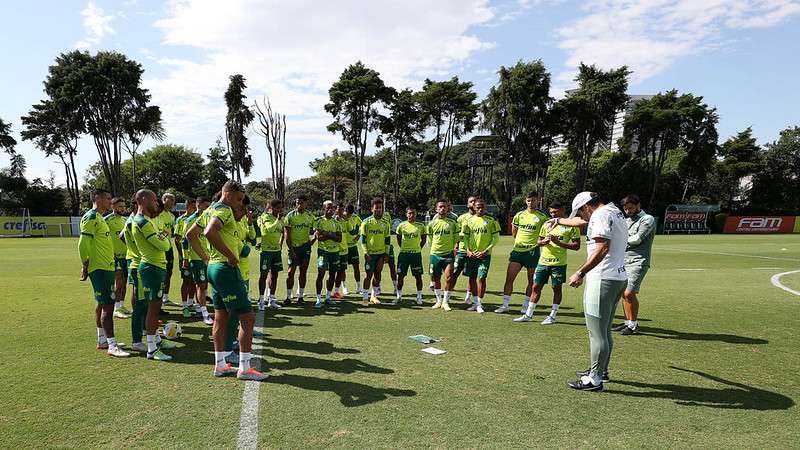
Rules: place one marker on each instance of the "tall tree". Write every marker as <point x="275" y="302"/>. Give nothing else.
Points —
<point x="17" y="164"/>
<point x="449" y="108"/>
<point x="147" y="123"/>
<point x="667" y="122"/>
<point x="56" y="134"/>
<point x="217" y="168"/>
<point x="272" y="127"/>
<point x="776" y="188"/>
<point x="741" y="157"/>
<point x="353" y="104"/>
<point x="402" y="127"/>
<point x="7" y="142"/>
<point x="518" y="111"/>
<point x="237" y="120"/>
<point x="105" y="92"/>
<point x="334" y="168"/>
<point x="588" y="114"/>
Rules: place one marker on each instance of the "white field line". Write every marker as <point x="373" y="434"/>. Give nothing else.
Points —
<point x="744" y="255"/>
<point x="767" y="268"/>
<point x="248" y="421"/>
<point x="776" y="281"/>
<point x="691" y="270"/>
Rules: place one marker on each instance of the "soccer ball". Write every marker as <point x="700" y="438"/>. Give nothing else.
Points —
<point x="172" y="330"/>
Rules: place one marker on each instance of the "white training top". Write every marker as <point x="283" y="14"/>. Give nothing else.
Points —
<point x="608" y="222"/>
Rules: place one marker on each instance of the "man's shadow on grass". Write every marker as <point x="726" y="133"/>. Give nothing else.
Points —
<point x="663" y="333"/>
<point x="320" y="348"/>
<point x="735" y="396"/>
<point x="350" y="394"/>
<point x="347" y="365"/>
<point x="340" y="308"/>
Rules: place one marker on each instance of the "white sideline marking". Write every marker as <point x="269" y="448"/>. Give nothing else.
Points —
<point x="730" y="254"/>
<point x="776" y="281"/>
<point x="691" y="270"/>
<point x="767" y="268"/>
<point x="248" y="421"/>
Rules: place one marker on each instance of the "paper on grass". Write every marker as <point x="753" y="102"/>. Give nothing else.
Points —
<point x="434" y="351"/>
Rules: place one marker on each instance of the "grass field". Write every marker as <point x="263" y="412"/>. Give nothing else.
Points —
<point x="715" y="365"/>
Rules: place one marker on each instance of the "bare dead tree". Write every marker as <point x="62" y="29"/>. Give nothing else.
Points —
<point x="272" y="127"/>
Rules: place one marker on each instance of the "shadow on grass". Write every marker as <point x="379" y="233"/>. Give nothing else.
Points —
<point x="735" y="396"/>
<point x="340" y="308"/>
<point x="663" y="333"/>
<point x="350" y="394"/>
<point x="347" y="365"/>
<point x="320" y="348"/>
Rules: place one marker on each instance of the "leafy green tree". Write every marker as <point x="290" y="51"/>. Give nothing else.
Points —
<point x="402" y="127"/>
<point x="518" y="111"/>
<point x="314" y="188"/>
<point x="105" y="92"/>
<point x="449" y="108"/>
<point x="588" y="113"/>
<point x="170" y="166"/>
<point x="667" y="122"/>
<point x="216" y="169"/>
<point x="7" y="142"/>
<point x="237" y="120"/>
<point x="741" y="157"/>
<point x="776" y="187"/>
<point x="354" y="98"/>
<point x="56" y="133"/>
<point x="335" y="168"/>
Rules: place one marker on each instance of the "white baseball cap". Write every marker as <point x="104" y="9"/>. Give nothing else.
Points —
<point x="580" y="200"/>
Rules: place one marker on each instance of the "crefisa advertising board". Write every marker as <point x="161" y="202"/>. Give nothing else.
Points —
<point x="762" y="224"/>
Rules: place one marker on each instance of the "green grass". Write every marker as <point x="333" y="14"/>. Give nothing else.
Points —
<point x="715" y="365"/>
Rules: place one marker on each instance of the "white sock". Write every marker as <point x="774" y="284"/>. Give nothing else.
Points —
<point x="399" y="294"/>
<point x="358" y="285"/>
<point x="446" y="298"/>
<point x="365" y="294"/>
<point x="198" y="307"/>
<point x="531" y="308"/>
<point x="438" y="294"/>
<point x="244" y="361"/>
<point x="468" y="295"/>
<point x="554" y="311"/>
<point x="268" y="292"/>
<point x="204" y="312"/>
<point x="151" y="343"/>
<point x="327" y="294"/>
<point x="300" y="292"/>
<point x="319" y="297"/>
<point x="394" y="283"/>
<point x="289" y="294"/>
<point x="118" y="305"/>
<point x="375" y="290"/>
<point x="112" y="342"/>
<point x="419" y="294"/>
<point x="219" y="359"/>
<point x="190" y="301"/>
<point x="336" y="289"/>
<point x="479" y="300"/>
<point x="634" y="324"/>
<point x="101" y="335"/>
<point x="165" y="298"/>
<point x="158" y="338"/>
<point x="261" y="298"/>
<point x="506" y="300"/>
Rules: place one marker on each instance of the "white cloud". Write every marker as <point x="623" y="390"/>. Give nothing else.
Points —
<point x="650" y="35"/>
<point x="294" y="51"/>
<point x="96" y="25"/>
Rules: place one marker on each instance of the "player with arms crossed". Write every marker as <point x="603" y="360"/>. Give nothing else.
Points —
<point x="444" y="235"/>
<point x="116" y="224"/>
<point x="354" y="229"/>
<point x="460" y="261"/>
<point x="480" y="234"/>
<point x="167" y="220"/>
<point x="270" y="225"/>
<point x="97" y="263"/>
<point x="375" y="234"/>
<point x="328" y="233"/>
<point x="299" y="223"/>
<point x="344" y="250"/>
<point x="411" y="236"/>
<point x="552" y="265"/>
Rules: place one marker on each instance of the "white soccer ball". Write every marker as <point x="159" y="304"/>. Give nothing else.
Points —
<point x="172" y="330"/>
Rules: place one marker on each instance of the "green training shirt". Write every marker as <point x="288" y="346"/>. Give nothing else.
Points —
<point x="271" y="229"/>
<point x="461" y="219"/>
<point x="552" y="254"/>
<point x="189" y="253"/>
<point x="375" y="235"/>
<point x="130" y="244"/>
<point x="116" y="224"/>
<point x="330" y="226"/>
<point x="528" y="226"/>
<point x="300" y="225"/>
<point x="151" y="242"/>
<point x="95" y="245"/>
<point x="344" y="246"/>
<point x="480" y="233"/>
<point x="231" y="232"/>
<point x="353" y="229"/>
<point x="444" y="233"/>
<point x="411" y="234"/>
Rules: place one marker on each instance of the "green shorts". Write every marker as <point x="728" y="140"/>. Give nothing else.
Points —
<point x="121" y="265"/>
<point x="343" y="257"/>
<point x="131" y="272"/>
<point x="636" y="273"/>
<point x="199" y="271"/>
<point x="151" y="280"/>
<point x="186" y="273"/>
<point x="352" y="255"/>
<point x="406" y="260"/>
<point x="229" y="288"/>
<point x="460" y="261"/>
<point x="371" y="263"/>
<point x="438" y="263"/>
<point x="556" y="274"/>
<point x="328" y="261"/>
<point x="103" y="286"/>
<point x="271" y="261"/>
<point x="527" y="258"/>
<point x="302" y="253"/>
<point x="477" y="267"/>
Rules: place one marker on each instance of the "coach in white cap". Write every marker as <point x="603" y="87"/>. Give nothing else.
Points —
<point x="605" y="278"/>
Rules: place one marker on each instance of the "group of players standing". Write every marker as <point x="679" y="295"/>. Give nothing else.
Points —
<point x="214" y="237"/>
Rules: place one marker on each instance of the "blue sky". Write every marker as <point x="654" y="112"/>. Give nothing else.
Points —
<point x="739" y="54"/>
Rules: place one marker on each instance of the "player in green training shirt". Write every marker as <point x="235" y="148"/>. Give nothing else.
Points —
<point x="389" y="257"/>
<point x="230" y="297"/>
<point x="97" y="263"/>
<point x="248" y="236"/>
<point x="198" y="255"/>
<point x="344" y="250"/>
<point x="270" y="226"/>
<point x="152" y="244"/>
<point x="444" y="233"/>
<point x="328" y="233"/>
<point x="375" y="234"/>
<point x="480" y="234"/>
<point x="188" y="287"/>
<point x="167" y="219"/>
<point x="461" y="256"/>
<point x="525" y="228"/>
<point x="116" y="224"/>
<point x="552" y="264"/>
<point x="299" y="225"/>
<point x="353" y="258"/>
<point x="411" y="237"/>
